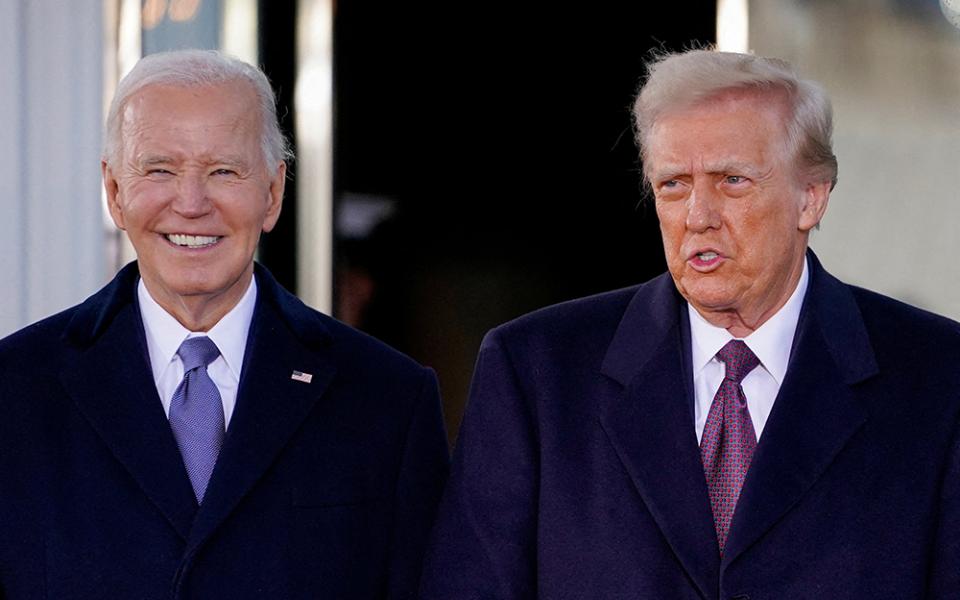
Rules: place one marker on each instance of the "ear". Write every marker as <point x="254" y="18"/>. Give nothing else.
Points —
<point x="275" y="200"/>
<point x="112" y="187"/>
<point x="815" y="199"/>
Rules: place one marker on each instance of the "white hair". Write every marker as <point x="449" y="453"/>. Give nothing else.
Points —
<point x="682" y="80"/>
<point x="195" y="68"/>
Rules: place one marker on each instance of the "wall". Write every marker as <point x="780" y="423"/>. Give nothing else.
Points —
<point x="892" y="68"/>
<point x="52" y="238"/>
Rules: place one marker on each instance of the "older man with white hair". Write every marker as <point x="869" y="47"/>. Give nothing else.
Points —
<point x="193" y="430"/>
<point x="743" y="426"/>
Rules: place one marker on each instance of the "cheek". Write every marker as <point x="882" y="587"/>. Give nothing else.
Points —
<point x="244" y="219"/>
<point x="129" y="208"/>
<point x="137" y="218"/>
<point x="141" y="202"/>
<point x="672" y="223"/>
<point x="763" y="243"/>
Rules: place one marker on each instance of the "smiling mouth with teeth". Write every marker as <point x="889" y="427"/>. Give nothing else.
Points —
<point x="192" y="241"/>
<point x="706" y="256"/>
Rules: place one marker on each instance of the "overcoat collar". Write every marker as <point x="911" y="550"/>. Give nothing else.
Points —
<point x="96" y="313"/>
<point x="112" y="385"/>
<point x="652" y="430"/>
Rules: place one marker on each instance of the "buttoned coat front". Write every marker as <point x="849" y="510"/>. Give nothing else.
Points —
<point x="578" y="474"/>
<point x="323" y="489"/>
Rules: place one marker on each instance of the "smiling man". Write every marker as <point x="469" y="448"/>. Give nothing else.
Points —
<point x="193" y="430"/>
<point x="190" y="184"/>
<point x="743" y="426"/>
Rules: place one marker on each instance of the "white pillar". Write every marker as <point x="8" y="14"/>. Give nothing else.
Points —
<point x="51" y="225"/>
<point x="314" y="166"/>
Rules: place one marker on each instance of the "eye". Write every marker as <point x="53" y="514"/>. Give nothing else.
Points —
<point x="158" y="172"/>
<point x="667" y="185"/>
<point x="735" y="179"/>
<point x="669" y="189"/>
<point x="224" y="171"/>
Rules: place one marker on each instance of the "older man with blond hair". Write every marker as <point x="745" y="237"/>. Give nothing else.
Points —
<point x="743" y="426"/>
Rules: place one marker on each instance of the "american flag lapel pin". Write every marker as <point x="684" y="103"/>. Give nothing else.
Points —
<point x="301" y="376"/>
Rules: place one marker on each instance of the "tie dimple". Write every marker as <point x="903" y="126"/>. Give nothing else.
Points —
<point x="197" y="352"/>
<point x="728" y="437"/>
<point x="738" y="360"/>
<point x="196" y="413"/>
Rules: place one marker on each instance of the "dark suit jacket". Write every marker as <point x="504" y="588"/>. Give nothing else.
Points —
<point x="578" y="475"/>
<point x="322" y="490"/>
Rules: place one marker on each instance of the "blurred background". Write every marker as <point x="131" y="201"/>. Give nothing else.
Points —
<point x="460" y="164"/>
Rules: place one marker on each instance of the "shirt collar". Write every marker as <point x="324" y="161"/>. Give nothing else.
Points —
<point x="165" y="334"/>
<point x="771" y="342"/>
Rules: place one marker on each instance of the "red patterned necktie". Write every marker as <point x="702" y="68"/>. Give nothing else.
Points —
<point x="728" y="437"/>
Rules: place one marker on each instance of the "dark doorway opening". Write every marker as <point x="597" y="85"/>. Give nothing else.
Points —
<point x="484" y="164"/>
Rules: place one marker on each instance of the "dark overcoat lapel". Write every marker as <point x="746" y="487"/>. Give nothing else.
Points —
<point x="651" y="428"/>
<point x="815" y="413"/>
<point x="111" y="383"/>
<point x="285" y="336"/>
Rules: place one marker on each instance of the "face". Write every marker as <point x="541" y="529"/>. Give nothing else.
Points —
<point x="193" y="193"/>
<point x="735" y="213"/>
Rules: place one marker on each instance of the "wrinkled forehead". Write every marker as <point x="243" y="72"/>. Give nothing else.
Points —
<point x="226" y="102"/>
<point x="198" y="113"/>
<point x="757" y="108"/>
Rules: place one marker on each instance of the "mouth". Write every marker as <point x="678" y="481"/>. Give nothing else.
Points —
<point x="184" y="240"/>
<point x="705" y="261"/>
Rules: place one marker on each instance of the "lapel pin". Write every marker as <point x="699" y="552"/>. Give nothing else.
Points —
<point x="300" y="376"/>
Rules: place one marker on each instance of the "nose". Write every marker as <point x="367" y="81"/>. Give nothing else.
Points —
<point x="192" y="200"/>
<point x="703" y="208"/>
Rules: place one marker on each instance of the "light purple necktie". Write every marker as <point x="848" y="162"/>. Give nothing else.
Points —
<point x="728" y="438"/>
<point x="196" y="413"/>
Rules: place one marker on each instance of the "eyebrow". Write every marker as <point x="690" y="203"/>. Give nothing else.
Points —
<point x="230" y="159"/>
<point x="150" y="160"/>
<point x="669" y="172"/>
<point x="234" y="160"/>
<point x="735" y="167"/>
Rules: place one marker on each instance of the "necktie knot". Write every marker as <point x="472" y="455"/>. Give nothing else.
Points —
<point x="738" y="360"/>
<point x="197" y="352"/>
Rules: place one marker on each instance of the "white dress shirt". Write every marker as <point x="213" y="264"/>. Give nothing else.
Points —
<point x="771" y="343"/>
<point x="165" y="334"/>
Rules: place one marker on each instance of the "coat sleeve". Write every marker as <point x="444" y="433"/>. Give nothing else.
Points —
<point x="484" y="542"/>
<point x="422" y="473"/>
<point x="944" y="581"/>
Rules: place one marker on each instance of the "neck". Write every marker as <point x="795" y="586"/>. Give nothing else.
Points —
<point x="741" y="323"/>
<point x="200" y="312"/>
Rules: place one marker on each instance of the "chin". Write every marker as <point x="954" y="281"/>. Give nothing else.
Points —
<point x="196" y="283"/>
<point x="703" y="294"/>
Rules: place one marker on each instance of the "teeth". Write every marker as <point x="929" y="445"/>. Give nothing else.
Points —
<point x="707" y="256"/>
<point x="192" y="241"/>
